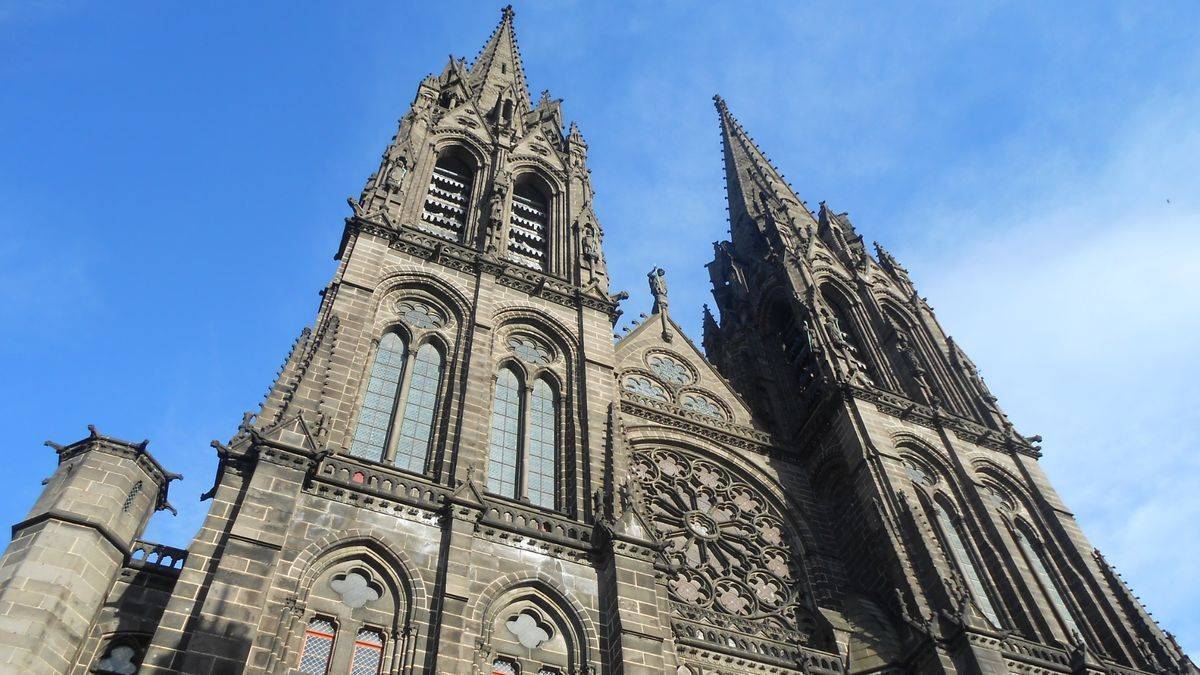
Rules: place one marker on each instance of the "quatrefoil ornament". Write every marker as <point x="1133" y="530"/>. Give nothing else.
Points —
<point x="530" y="632"/>
<point x="355" y="589"/>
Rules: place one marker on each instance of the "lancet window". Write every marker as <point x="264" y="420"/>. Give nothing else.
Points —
<point x="1036" y="563"/>
<point x="528" y="227"/>
<point x="396" y="420"/>
<point x="447" y="201"/>
<point x="523" y="441"/>
<point x="957" y="551"/>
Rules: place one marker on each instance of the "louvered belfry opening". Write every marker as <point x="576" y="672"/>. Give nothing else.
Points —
<point x="528" y="224"/>
<point x="445" y="212"/>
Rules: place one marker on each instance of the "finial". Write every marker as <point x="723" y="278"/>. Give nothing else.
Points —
<point x="507" y="13"/>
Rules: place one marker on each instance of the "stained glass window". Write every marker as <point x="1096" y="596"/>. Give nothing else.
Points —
<point x="669" y="369"/>
<point x="700" y="404"/>
<point x="416" y="426"/>
<point x="379" y="402"/>
<point x="642" y="386"/>
<point x="1048" y="585"/>
<point x="419" y="315"/>
<point x="529" y="351"/>
<point x="506" y="420"/>
<point x="541" y="449"/>
<point x="318" y="646"/>
<point x="368" y="652"/>
<point x="958" y="551"/>
<point x="504" y="667"/>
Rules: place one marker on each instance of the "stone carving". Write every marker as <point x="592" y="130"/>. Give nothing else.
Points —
<point x="120" y="660"/>
<point x="355" y="588"/>
<point x="658" y="288"/>
<point x="529" y="629"/>
<point x="732" y="551"/>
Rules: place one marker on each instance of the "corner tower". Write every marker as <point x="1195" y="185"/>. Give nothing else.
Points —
<point x="943" y="516"/>
<point x="66" y="554"/>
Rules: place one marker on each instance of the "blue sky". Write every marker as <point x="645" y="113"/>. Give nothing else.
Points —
<point x="173" y="180"/>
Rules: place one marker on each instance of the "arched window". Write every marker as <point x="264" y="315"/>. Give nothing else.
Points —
<point x="447" y="201"/>
<point x="957" y="550"/>
<point x="909" y="358"/>
<point x="542" y="446"/>
<point x="504" y="445"/>
<point x="318" y="647"/>
<point x="396" y="419"/>
<point x="1049" y="588"/>
<point x="843" y="330"/>
<point x="528" y="227"/>
<point x="416" y="426"/>
<point x="368" y="652"/>
<point x="523" y="447"/>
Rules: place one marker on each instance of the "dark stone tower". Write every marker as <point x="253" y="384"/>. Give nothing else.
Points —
<point x="64" y="556"/>
<point x="458" y="470"/>
<point x="941" y="511"/>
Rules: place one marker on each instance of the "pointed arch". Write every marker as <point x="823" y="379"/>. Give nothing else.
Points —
<point x="845" y="324"/>
<point x="504" y="434"/>
<point x="530" y="222"/>
<point x="509" y="593"/>
<point x="446" y="210"/>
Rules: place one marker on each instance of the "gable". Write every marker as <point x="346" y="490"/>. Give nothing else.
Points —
<point x="675" y="372"/>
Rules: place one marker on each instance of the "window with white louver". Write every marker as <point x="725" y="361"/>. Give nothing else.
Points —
<point x="527" y="227"/>
<point x="446" y="203"/>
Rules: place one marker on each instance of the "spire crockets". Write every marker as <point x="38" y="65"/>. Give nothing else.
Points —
<point x="498" y="65"/>
<point x="756" y="188"/>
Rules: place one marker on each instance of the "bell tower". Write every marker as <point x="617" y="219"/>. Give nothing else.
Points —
<point x="447" y="407"/>
<point x="941" y="510"/>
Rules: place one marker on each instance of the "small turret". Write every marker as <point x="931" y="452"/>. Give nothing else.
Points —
<point x="66" y="553"/>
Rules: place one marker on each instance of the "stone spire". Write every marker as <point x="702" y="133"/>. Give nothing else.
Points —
<point x="756" y="189"/>
<point x="498" y="65"/>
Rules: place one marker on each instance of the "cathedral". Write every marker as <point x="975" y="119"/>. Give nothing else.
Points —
<point x="460" y="469"/>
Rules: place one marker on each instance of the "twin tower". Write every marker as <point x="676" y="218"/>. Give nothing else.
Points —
<point x="458" y="470"/>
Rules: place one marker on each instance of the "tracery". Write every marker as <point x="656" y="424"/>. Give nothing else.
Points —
<point x="734" y="554"/>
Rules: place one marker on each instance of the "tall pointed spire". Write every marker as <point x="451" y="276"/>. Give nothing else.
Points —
<point x="499" y="62"/>
<point x="753" y="183"/>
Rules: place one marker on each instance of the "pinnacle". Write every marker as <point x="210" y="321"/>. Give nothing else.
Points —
<point x="493" y="61"/>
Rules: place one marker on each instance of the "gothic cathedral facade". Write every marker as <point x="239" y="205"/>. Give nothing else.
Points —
<point x="461" y="470"/>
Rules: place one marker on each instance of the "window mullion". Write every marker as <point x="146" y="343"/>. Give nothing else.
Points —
<point x="523" y="441"/>
<point x="389" y="450"/>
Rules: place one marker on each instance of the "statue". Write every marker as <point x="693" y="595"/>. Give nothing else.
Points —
<point x="658" y="288"/>
<point x="593" y="257"/>
<point x="495" y="227"/>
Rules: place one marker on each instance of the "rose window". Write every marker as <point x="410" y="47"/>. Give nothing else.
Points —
<point x="733" y="553"/>
<point x="669" y="369"/>
<point x="642" y="386"/>
<point x="702" y="405"/>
